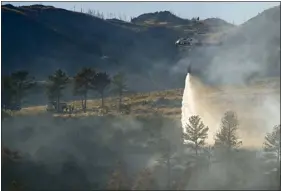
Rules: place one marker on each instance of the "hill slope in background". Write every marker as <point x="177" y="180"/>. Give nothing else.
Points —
<point x="51" y="37"/>
<point x="162" y="17"/>
<point x="43" y="38"/>
<point x="168" y="19"/>
<point x="54" y="38"/>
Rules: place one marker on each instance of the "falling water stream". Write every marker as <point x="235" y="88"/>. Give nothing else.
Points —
<point x="257" y="108"/>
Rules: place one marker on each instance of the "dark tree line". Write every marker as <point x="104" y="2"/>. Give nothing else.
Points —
<point x="18" y="85"/>
<point x="15" y="88"/>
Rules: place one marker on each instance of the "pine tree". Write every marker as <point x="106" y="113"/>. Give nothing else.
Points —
<point x="272" y="149"/>
<point x="226" y="146"/>
<point x="227" y="138"/>
<point x="21" y="83"/>
<point x="167" y="156"/>
<point x="196" y="133"/>
<point x="8" y="92"/>
<point x="100" y="83"/>
<point x="119" y="83"/>
<point x="57" y="83"/>
<point x="272" y="142"/>
<point x="82" y="84"/>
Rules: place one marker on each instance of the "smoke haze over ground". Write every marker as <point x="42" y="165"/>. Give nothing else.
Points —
<point x="257" y="108"/>
<point x="229" y="77"/>
<point x="83" y="153"/>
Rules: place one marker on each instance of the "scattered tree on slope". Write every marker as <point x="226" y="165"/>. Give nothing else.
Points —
<point x="82" y="84"/>
<point x="57" y="83"/>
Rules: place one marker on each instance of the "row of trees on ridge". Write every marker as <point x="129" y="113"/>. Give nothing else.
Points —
<point x="19" y="84"/>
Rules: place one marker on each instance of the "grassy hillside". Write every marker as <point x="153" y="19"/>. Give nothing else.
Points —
<point x="165" y="103"/>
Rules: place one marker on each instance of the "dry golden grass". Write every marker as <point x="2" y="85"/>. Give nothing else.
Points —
<point x="146" y="104"/>
<point x="141" y="104"/>
<point x="32" y="110"/>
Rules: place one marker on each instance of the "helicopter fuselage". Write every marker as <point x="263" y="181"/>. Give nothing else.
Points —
<point x="190" y="42"/>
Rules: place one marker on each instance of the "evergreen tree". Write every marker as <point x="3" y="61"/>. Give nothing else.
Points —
<point x="272" y="142"/>
<point x="119" y="83"/>
<point x="272" y="152"/>
<point x="82" y="84"/>
<point x="100" y="83"/>
<point x="16" y="86"/>
<point x="8" y="92"/>
<point x="227" y="138"/>
<point x="57" y="83"/>
<point x="196" y="133"/>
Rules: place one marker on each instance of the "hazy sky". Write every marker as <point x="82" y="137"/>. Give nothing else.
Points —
<point x="237" y="12"/>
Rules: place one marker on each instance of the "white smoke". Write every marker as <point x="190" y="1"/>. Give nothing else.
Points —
<point x="224" y="78"/>
<point x="257" y="109"/>
<point x="195" y="102"/>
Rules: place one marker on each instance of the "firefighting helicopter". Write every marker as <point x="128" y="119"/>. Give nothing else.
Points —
<point x="196" y="39"/>
<point x="194" y="42"/>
